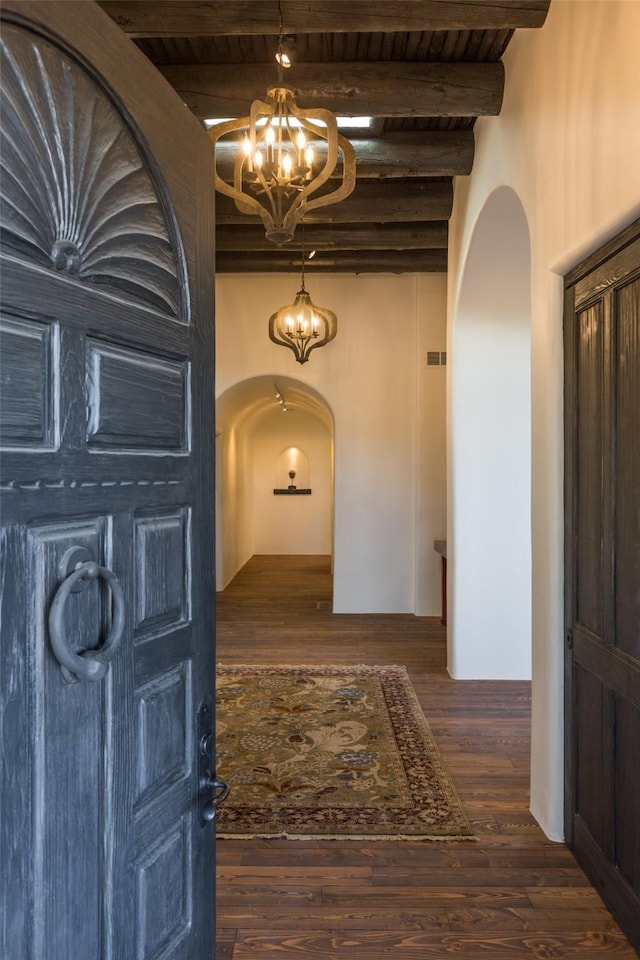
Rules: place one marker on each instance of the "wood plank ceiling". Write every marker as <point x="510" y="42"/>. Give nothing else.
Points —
<point x="424" y="69"/>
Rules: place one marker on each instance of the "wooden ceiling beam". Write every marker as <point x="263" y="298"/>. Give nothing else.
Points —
<point x="446" y="153"/>
<point x="372" y="201"/>
<point x="350" y="261"/>
<point x="184" y="18"/>
<point x="360" y="88"/>
<point x="338" y="237"/>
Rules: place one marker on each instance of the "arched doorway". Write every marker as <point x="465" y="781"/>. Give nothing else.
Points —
<point x="489" y="525"/>
<point x="261" y="424"/>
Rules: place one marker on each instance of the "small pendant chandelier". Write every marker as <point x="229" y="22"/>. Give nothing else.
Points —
<point x="302" y="326"/>
<point x="284" y="156"/>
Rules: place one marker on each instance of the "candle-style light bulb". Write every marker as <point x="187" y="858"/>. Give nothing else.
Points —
<point x="301" y="142"/>
<point x="286" y="165"/>
<point x="309" y="156"/>
<point x="246" y="149"/>
<point x="258" y="159"/>
<point x="270" y="137"/>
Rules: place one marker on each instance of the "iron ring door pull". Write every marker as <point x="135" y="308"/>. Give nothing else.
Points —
<point x="87" y="665"/>
<point x="222" y="792"/>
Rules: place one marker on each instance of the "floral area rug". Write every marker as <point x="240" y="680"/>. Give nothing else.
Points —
<point x="330" y="753"/>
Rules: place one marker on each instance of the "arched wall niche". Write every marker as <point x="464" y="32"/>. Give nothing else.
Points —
<point x="489" y="523"/>
<point x="253" y="431"/>
<point x="293" y="459"/>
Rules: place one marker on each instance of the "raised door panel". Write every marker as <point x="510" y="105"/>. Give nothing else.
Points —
<point x="589" y="452"/>
<point x="162" y="570"/>
<point x="164" y="896"/>
<point x="164" y="733"/>
<point x="68" y="862"/>
<point x="28" y="375"/>
<point x="627" y="794"/>
<point x="165" y="812"/>
<point x="136" y="401"/>
<point x="591" y="760"/>
<point x="626" y="493"/>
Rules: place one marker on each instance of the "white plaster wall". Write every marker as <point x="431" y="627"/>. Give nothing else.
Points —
<point x="431" y="501"/>
<point x="568" y="142"/>
<point x="369" y="378"/>
<point x="234" y="502"/>
<point x="298" y="524"/>
<point x="489" y="544"/>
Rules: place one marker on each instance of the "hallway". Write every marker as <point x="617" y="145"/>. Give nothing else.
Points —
<point x="512" y="892"/>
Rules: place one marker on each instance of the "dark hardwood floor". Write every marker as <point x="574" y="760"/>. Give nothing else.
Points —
<point x="512" y="893"/>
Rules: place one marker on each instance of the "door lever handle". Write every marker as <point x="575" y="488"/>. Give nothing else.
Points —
<point x="208" y="812"/>
<point x="206" y="780"/>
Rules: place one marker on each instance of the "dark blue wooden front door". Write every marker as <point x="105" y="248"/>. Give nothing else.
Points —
<point x="107" y="609"/>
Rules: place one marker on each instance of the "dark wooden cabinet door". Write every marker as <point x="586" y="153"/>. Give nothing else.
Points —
<point x="602" y="396"/>
<point x="107" y="431"/>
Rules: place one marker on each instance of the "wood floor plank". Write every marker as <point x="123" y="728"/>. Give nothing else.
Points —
<point x="570" y="898"/>
<point x="305" y="875"/>
<point x="376" y="945"/>
<point x="459" y="919"/>
<point x="264" y="893"/>
<point x="427" y="897"/>
<point x="485" y="877"/>
<point x="511" y="893"/>
<point x="330" y="918"/>
<point x="463" y="920"/>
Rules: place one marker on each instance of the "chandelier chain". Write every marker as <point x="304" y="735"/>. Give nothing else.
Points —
<point x="280" y="38"/>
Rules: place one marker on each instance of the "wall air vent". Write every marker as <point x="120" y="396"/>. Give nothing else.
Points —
<point x="436" y="358"/>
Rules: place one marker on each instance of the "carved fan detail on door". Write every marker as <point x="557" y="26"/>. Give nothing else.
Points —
<point x="80" y="199"/>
